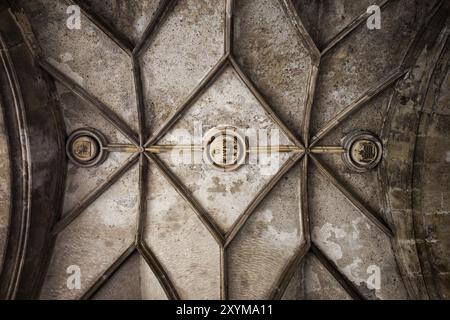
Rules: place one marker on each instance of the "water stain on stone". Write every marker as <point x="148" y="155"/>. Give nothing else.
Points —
<point x="236" y="187"/>
<point x="217" y="187"/>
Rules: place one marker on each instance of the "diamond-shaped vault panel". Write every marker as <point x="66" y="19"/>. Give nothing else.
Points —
<point x="226" y="194"/>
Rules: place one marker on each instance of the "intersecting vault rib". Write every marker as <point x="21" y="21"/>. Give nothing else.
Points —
<point x="70" y="216"/>
<point x="303" y="34"/>
<point x="296" y="261"/>
<point x="260" y="196"/>
<point x="186" y="195"/>
<point x="103" y="109"/>
<point x="359" y="102"/>
<point x="350" y="28"/>
<point x="123" y="42"/>
<point x="161" y="14"/>
<point x="376" y="220"/>
<point x="195" y="94"/>
<point x="262" y="101"/>
<point x="348" y="285"/>
<point x="103" y="278"/>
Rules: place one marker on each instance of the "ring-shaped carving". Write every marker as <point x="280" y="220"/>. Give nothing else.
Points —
<point x="85" y="147"/>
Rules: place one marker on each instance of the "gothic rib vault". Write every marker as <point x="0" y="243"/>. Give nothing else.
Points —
<point x="160" y="229"/>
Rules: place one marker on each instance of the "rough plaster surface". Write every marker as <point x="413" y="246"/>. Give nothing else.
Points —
<point x="266" y="243"/>
<point x="87" y="56"/>
<point x="225" y="195"/>
<point x="5" y="188"/>
<point x="349" y="239"/>
<point x="272" y="54"/>
<point x="131" y="18"/>
<point x="95" y="239"/>
<point x="184" y="247"/>
<point x="187" y="46"/>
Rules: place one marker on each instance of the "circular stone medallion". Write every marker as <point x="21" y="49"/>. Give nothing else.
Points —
<point x="225" y="149"/>
<point x="84" y="147"/>
<point x="364" y="151"/>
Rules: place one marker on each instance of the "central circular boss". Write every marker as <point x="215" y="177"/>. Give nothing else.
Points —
<point x="225" y="148"/>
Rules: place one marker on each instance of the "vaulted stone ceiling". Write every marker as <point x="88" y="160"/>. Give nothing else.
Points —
<point x="298" y="223"/>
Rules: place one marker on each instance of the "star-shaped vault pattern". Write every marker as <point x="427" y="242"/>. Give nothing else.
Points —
<point x="145" y="150"/>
